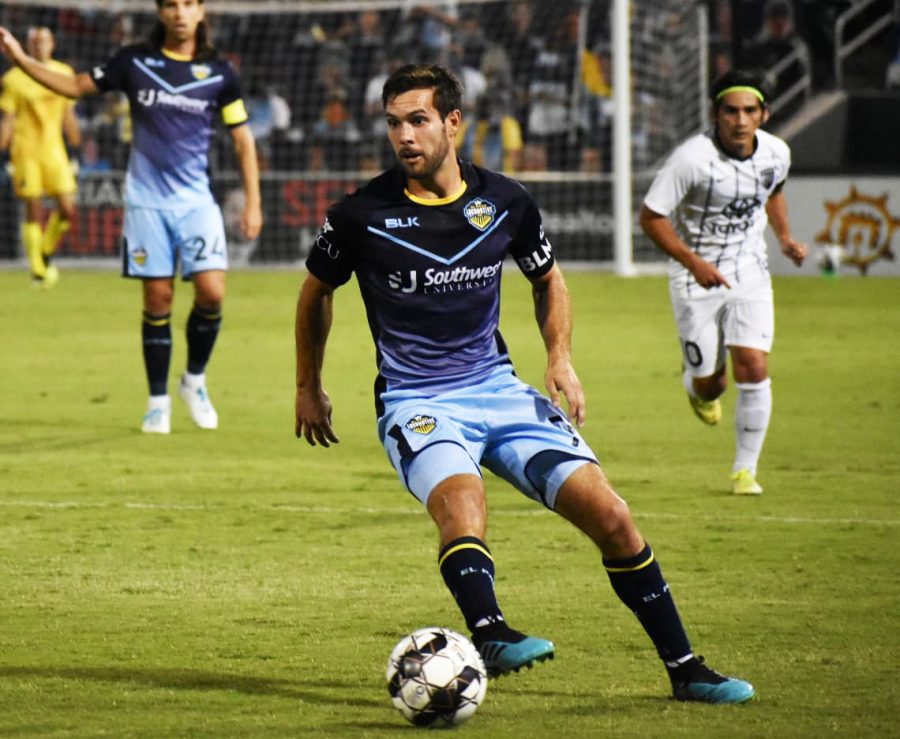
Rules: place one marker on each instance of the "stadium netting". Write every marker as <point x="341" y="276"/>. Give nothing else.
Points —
<point x="538" y="105"/>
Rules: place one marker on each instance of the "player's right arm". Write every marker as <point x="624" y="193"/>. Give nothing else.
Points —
<point x="313" y="323"/>
<point x="7" y="127"/>
<point x="661" y="231"/>
<point x="62" y="84"/>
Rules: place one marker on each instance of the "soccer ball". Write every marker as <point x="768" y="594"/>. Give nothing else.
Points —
<point x="831" y="257"/>
<point x="436" y="677"/>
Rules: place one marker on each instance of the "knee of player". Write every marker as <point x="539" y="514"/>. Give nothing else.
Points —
<point x="617" y="521"/>
<point x="710" y="388"/>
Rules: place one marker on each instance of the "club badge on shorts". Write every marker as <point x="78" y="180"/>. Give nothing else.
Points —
<point x="421" y="424"/>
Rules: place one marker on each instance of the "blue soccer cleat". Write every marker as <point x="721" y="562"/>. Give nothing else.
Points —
<point x="501" y="656"/>
<point x="697" y="682"/>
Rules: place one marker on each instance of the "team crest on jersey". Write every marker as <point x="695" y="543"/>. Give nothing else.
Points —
<point x="768" y="177"/>
<point x="421" y="424"/>
<point x="139" y="256"/>
<point x="200" y="71"/>
<point x="480" y="213"/>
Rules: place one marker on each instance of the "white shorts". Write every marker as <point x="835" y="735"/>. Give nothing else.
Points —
<point x="710" y="320"/>
<point x="154" y="241"/>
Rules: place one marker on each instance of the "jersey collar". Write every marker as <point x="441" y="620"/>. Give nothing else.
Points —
<point x="177" y="57"/>
<point x="437" y="201"/>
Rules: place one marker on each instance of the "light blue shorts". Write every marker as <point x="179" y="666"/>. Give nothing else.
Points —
<point x="155" y="240"/>
<point x="501" y="423"/>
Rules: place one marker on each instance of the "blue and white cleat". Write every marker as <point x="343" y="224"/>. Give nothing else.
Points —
<point x="158" y="418"/>
<point x="502" y="657"/>
<point x="193" y="392"/>
<point x="707" y="686"/>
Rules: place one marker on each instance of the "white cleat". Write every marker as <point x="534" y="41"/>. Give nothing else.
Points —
<point x="158" y="418"/>
<point x="193" y="391"/>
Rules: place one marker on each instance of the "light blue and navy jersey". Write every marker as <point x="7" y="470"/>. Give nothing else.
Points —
<point x="173" y="101"/>
<point x="429" y="272"/>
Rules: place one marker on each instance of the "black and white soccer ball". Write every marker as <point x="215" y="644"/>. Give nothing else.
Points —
<point x="436" y="677"/>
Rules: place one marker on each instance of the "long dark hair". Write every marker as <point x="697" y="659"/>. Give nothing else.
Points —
<point x="204" y="48"/>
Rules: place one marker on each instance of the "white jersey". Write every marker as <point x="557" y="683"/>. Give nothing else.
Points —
<point x="717" y="203"/>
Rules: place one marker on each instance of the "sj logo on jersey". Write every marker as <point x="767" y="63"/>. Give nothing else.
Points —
<point x="480" y="213"/>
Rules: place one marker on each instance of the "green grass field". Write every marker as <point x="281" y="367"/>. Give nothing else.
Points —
<point x="238" y="583"/>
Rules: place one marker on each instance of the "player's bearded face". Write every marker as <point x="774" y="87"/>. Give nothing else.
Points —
<point x="422" y="140"/>
<point x="424" y="166"/>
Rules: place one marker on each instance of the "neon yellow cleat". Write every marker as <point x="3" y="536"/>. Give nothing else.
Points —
<point x="743" y="482"/>
<point x="708" y="411"/>
<point x="51" y="276"/>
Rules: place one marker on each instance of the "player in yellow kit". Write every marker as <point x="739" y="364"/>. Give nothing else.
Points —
<point x="32" y="127"/>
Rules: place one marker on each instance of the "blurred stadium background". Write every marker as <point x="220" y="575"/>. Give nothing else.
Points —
<point x="540" y="100"/>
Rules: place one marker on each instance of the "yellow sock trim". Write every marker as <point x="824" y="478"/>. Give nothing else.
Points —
<point x="157" y="321"/>
<point x="465" y="545"/>
<point x="57" y="226"/>
<point x="641" y="566"/>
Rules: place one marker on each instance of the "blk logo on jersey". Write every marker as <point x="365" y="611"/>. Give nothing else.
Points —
<point x="421" y="424"/>
<point x="480" y="213"/>
<point x="409" y="222"/>
<point x="767" y="177"/>
<point x="539" y="257"/>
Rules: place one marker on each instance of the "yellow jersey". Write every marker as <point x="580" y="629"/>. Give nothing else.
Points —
<point x="39" y="113"/>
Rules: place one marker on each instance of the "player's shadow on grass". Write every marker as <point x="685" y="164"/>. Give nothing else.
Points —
<point x="311" y="691"/>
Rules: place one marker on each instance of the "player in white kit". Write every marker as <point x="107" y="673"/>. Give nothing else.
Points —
<point x="707" y="209"/>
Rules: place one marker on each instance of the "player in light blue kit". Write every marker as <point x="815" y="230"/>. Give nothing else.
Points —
<point x="176" y="84"/>
<point x="427" y="240"/>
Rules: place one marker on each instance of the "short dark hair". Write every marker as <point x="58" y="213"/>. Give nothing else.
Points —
<point x="752" y="78"/>
<point x="447" y="88"/>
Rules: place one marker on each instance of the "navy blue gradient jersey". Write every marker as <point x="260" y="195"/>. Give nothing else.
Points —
<point x="429" y="272"/>
<point x="173" y="101"/>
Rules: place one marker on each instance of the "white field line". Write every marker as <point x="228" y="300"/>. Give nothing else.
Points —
<point x="332" y="510"/>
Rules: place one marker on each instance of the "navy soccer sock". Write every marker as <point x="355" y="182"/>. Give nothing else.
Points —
<point x="156" y="335"/>
<point x="639" y="583"/>
<point x="202" y="330"/>
<point x="468" y="570"/>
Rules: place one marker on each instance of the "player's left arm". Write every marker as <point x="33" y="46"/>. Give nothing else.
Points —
<point x="553" y="310"/>
<point x="71" y="129"/>
<point x="245" y="148"/>
<point x="776" y="209"/>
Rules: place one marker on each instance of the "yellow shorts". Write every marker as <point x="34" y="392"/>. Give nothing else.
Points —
<point x="46" y="176"/>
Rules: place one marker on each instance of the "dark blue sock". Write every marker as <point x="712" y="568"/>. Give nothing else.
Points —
<point x="156" y="335"/>
<point x="202" y="330"/>
<point x="468" y="569"/>
<point x="639" y="583"/>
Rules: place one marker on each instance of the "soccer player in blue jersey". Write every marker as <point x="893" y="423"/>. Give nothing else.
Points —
<point x="176" y="83"/>
<point x="427" y="241"/>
